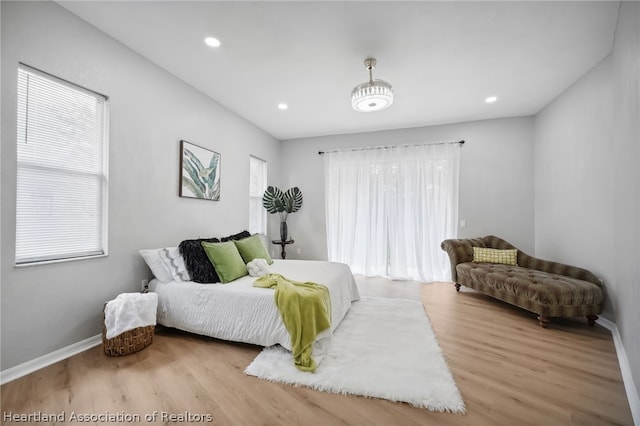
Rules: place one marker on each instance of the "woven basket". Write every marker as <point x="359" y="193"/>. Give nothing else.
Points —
<point x="128" y="342"/>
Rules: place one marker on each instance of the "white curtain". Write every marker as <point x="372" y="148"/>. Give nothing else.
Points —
<point x="388" y="209"/>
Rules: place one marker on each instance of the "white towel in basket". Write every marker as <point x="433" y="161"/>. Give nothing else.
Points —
<point x="129" y="311"/>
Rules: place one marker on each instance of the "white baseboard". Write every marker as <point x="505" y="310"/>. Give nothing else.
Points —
<point x="625" y="369"/>
<point x="51" y="358"/>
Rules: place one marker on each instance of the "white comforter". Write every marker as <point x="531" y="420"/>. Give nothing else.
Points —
<point x="239" y="312"/>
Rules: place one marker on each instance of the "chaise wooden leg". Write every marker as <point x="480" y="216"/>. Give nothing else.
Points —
<point x="543" y="321"/>
<point x="592" y="319"/>
<point x="457" y="287"/>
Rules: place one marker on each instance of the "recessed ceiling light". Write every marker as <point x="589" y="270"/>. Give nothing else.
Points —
<point x="282" y="106"/>
<point x="212" y="41"/>
<point x="491" y="99"/>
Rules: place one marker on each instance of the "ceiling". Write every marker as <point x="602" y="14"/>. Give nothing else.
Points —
<point x="442" y="58"/>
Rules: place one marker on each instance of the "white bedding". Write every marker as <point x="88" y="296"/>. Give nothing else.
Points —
<point x="239" y="312"/>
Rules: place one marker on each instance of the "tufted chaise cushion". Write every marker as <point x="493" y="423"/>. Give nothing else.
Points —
<point x="541" y="292"/>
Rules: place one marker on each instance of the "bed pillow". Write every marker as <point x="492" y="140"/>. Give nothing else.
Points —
<point x="155" y="263"/>
<point x="226" y="260"/>
<point x="200" y="268"/>
<point x="174" y="262"/>
<point x="239" y="236"/>
<point x="252" y="248"/>
<point x="489" y="255"/>
<point x="166" y="264"/>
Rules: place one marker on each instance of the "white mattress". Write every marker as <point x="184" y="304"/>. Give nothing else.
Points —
<point x="239" y="312"/>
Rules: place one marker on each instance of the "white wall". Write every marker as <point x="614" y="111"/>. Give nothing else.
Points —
<point x="48" y="307"/>
<point x="587" y="183"/>
<point x="496" y="179"/>
<point x="574" y="168"/>
<point x="626" y="142"/>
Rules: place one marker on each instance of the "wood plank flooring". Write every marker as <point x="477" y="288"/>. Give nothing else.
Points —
<point x="509" y="372"/>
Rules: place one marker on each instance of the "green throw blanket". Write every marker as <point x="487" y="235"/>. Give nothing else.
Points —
<point x="305" y="309"/>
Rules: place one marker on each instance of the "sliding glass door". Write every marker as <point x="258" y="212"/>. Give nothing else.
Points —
<point x="388" y="209"/>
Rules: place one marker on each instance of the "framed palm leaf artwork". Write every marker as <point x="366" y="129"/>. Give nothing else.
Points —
<point x="199" y="172"/>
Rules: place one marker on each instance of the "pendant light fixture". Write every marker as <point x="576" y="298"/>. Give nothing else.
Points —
<point x="374" y="95"/>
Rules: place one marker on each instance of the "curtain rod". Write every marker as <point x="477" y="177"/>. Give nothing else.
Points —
<point x="390" y="146"/>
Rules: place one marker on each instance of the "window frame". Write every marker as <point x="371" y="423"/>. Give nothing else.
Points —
<point x="252" y="197"/>
<point x="102" y="176"/>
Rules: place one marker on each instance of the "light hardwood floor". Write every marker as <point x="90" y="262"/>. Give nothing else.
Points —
<point x="509" y="372"/>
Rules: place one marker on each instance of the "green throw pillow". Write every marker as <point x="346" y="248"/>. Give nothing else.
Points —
<point x="489" y="255"/>
<point x="226" y="260"/>
<point x="252" y="248"/>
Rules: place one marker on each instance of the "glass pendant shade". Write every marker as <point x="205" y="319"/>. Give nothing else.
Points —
<point x="374" y="95"/>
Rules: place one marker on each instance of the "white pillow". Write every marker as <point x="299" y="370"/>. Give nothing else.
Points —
<point x="166" y="264"/>
<point x="258" y="267"/>
<point x="157" y="266"/>
<point x="174" y="261"/>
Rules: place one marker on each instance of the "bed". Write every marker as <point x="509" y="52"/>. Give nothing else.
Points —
<point x="239" y="312"/>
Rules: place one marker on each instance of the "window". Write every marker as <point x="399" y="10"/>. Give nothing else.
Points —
<point x="257" y="186"/>
<point x="61" y="194"/>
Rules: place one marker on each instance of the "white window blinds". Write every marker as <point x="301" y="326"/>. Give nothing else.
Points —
<point x="257" y="186"/>
<point x="61" y="200"/>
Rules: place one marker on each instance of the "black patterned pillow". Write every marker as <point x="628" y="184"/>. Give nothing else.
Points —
<point x="198" y="264"/>
<point x="241" y="235"/>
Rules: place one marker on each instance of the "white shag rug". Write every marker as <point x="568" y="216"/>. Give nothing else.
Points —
<point x="384" y="348"/>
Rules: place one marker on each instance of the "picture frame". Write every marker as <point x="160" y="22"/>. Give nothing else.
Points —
<point x="199" y="172"/>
